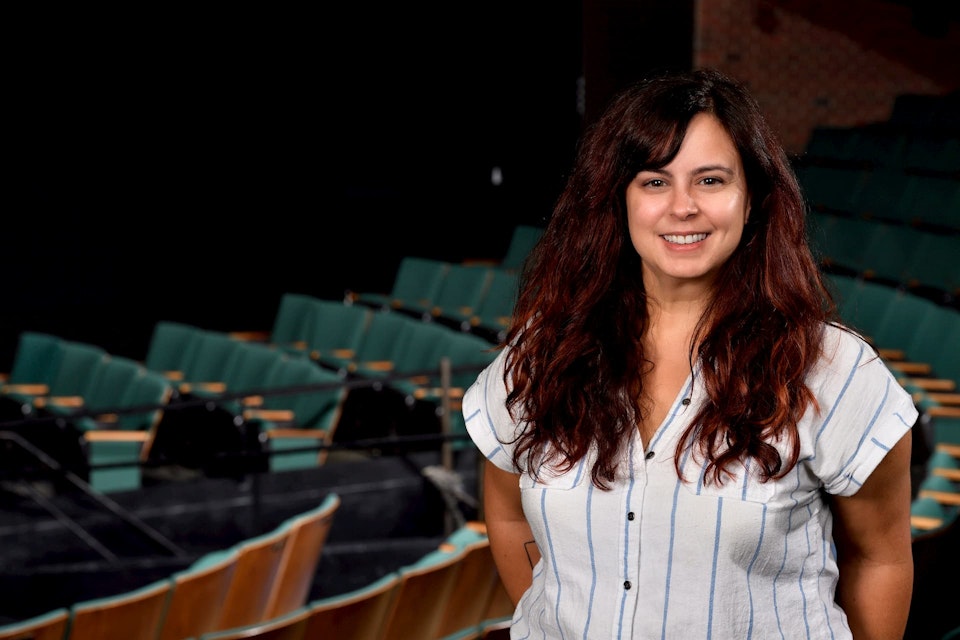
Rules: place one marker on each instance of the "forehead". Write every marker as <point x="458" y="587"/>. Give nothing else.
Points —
<point x="706" y="139"/>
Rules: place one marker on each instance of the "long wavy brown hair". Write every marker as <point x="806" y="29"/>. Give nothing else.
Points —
<point x="576" y="362"/>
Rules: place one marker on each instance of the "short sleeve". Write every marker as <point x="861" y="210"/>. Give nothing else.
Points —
<point x="485" y="414"/>
<point x="864" y="412"/>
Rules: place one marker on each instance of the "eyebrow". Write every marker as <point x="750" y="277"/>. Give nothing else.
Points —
<point x="698" y="171"/>
<point x="715" y="167"/>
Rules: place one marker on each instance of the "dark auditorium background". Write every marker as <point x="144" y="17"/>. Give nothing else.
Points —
<point x="193" y="163"/>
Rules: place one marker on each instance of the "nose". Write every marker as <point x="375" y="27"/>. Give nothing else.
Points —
<point x="683" y="204"/>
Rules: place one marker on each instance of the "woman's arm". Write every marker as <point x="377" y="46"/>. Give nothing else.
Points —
<point x="872" y="532"/>
<point x="511" y="540"/>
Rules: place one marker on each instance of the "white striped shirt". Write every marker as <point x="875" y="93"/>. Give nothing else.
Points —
<point x="658" y="558"/>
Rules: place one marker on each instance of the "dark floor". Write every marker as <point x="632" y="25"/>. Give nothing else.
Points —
<point x="61" y="547"/>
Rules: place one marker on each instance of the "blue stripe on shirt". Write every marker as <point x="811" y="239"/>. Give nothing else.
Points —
<point x="593" y="562"/>
<point x="713" y="571"/>
<point x="836" y="403"/>
<point x="756" y="554"/>
<point x="553" y="557"/>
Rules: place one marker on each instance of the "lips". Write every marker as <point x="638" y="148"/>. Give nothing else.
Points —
<point x="689" y="238"/>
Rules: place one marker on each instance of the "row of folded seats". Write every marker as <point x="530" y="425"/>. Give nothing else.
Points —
<point x="105" y="419"/>
<point x="884" y="197"/>
<point x="924" y="262"/>
<point x="261" y="587"/>
<point x="467" y="296"/>
<point x="885" y="146"/>
<point x="205" y="400"/>
<point x="883" y="193"/>
<point x="373" y="365"/>
<point x="78" y="406"/>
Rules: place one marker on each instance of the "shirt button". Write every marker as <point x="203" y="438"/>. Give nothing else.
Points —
<point x="649" y="455"/>
<point x="630" y="516"/>
<point x="626" y="585"/>
<point x="685" y="401"/>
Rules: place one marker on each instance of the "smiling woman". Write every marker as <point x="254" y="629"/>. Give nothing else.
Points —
<point x="675" y="409"/>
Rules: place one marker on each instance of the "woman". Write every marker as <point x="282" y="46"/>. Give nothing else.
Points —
<point x="676" y="421"/>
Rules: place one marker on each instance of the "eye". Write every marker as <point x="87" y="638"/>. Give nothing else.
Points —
<point x="711" y="180"/>
<point x="654" y="182"/>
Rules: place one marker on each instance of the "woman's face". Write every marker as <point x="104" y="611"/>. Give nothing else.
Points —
<point x="686" y="219"/>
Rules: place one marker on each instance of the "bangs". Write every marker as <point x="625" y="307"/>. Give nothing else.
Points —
<point x="658" y="145"/>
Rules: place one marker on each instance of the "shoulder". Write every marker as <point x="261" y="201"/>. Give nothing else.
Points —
<point x="490" y="382"/>
<point x="843" y="348"/>
<point x="850" y="368"/>
<point x="852" y="378"/>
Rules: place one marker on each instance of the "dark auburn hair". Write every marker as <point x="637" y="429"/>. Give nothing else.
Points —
<point x="575" y="366"/>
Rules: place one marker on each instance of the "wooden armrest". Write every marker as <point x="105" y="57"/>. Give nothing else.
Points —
<point x="952" y="399"/>
<point x="944" y="411"/>
<point x="925" y="523"/>
<point x="378" y="365"/>
<point x="272" y="415"/>
<point x="209" y="387"/>
<point x="932" y="384"/>
<point x="914" y="368"/>
<point x="946" y="447"/>
<point x="107" y="418"/>
<point x="423" y="392"/>
<point x="318" y="434"/>
<point x="949" y="474"/>
<point x="250" y="336"/>
<point x="70" y="402"/>
<point x="252" y="401"/>
<point x="173" y="375"/>
<point x="891" y="354"/>
<point x="477" y="526"/>
<point x="115" y="435"/>
<point x="503" y="321"/>
<point x="30" y="389"/>
<point x="340" y="354"/>
<point x="943" y="497"/>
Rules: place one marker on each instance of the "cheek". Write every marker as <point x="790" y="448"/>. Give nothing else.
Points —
<point x="737" y="212"/>
<point x="639" y="224"/>
<point x="642" y="212"/>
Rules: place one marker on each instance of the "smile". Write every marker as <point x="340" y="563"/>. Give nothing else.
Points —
<point x="687" y="239"/>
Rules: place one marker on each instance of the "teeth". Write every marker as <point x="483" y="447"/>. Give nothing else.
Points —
<point x="688" y="239"/>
